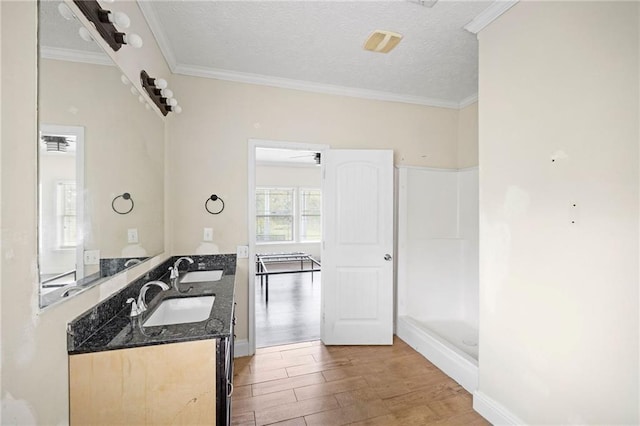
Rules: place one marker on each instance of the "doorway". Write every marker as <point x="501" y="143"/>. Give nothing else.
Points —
<point x="284" y="242"/>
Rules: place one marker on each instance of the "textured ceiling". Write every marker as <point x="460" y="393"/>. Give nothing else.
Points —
<point x="56" y="32"/>
<point x="309" y="45"/>
<point x="320" y="43"/>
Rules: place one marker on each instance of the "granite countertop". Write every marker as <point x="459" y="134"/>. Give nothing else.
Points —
<point x="121" y="332"/>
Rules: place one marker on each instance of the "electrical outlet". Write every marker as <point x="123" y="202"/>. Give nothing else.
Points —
<point x="91" y="257"/>
<point x="243" y="252"/>
<point x="207" y="234"/>
<point x="132" y="235"/>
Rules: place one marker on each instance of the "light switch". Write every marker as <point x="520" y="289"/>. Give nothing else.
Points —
<point x="132" y="235"/>
<point x="208" y="234"/>
<point x="243" y="252"/>
<point x="91" y="257"/>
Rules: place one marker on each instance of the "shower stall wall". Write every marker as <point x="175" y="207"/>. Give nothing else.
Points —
<point x="437" y="266"/>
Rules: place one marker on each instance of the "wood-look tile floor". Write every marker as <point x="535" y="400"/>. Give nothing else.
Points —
<point x="312" y="384"/>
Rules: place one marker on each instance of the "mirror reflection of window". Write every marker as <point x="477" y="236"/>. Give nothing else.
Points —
<point x="66" y="223"/>
<point x="60" y="205"/>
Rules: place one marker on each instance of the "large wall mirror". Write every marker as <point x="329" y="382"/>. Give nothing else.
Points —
<point x="100" y="164"/>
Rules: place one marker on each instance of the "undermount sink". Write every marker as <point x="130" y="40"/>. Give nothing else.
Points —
<point x="181" y="310"/>
<point x="201" y="276"/>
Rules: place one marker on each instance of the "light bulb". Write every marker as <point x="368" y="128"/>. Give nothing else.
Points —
<point x="167" y="93"/>
<point x="161" y="83"/>
<point x="124" y="79"/>
<point x="119" y="19"/>
<point x="133" y="40"/>
<point x="147" y="106"/>
<point x="85" y="34"/>
<point x="172" y="102"/>
<point x="177" y="109"/>
<point x="134" y="91"/>
<point x="65" y="11"/>
<point x="141" y="99"/>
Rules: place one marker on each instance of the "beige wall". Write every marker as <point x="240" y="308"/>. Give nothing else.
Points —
<point x="559" y="301"/>
<point x="34" y="354"/>
<point x="209" y="140"/>
<point x="468" y="136"/>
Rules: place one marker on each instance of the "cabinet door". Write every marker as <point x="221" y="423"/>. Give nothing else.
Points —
<point x="155" y="385"/>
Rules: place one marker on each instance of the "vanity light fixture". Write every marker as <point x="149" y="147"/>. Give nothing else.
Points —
<point x="161" y="96"/>
<point x="65" y="12"/>
<point x="106" y="21"/>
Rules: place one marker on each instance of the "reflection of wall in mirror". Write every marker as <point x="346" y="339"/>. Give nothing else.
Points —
<point x="123" y="152"/>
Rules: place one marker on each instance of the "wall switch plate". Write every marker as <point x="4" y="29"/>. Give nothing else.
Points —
<point x="243" y="252"/>
<point x="207" y="234"/>
<point x="91" y="257"/>
<point x="132" y="235"/>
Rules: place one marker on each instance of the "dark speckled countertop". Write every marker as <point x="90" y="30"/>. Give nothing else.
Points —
<point x="109" y="326"/>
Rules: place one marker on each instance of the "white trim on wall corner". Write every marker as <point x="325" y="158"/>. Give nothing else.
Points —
<point x="436" y="169"/>
<point x="470" y="100"/>
<point x="489" y="15"/>
<point x="285" y="83"/>
<point x="494" y="412"/>
<point x="158" y="32"/>
<point x="240" y="348"/>
<point x="71" y="55"/>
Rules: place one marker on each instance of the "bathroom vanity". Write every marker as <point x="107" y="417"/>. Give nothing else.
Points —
<point x="124" y="372"/>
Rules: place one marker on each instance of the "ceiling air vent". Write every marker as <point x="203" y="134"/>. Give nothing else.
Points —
<point x="382" y="41"/>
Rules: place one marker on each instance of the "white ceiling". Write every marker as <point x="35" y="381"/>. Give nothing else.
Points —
<point x="317" y="45"/>
<point x="308" y="45"/>
<point x="285" y="157"/>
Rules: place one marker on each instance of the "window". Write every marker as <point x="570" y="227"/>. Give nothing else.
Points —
<point x="310" y="207"/>
<point x="288" y="215"/>
<point x="274" y="214"/>
<point x="66" y="214"/>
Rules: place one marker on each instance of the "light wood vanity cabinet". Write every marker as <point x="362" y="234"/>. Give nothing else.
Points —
<point x="173" y="383"/>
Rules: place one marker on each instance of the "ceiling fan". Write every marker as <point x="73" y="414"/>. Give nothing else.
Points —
<point x="316" y="156"/>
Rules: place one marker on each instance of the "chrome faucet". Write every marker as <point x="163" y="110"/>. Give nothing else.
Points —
<point x="139" y="307"/>
<point x="175" y="269"/>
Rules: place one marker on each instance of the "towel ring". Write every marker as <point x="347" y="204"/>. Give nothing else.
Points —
<point x="124" y="196"/>
<point x="214" y="197"/>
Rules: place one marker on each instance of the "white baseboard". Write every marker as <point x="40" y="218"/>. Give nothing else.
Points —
<point x="454" y="363"/>
<point x="494" y="412"/>
<point x="240" y="348"/>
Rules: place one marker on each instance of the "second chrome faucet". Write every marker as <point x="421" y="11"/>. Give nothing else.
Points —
<point x="175" y="274"/>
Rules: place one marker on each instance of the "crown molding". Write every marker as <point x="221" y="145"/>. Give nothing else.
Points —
<point x="470" y="100"/>
<point x="306" y="86"/>
<point x="72" y="55"/>
<point x="159" y="34"/>
<point x="489" y="15"/>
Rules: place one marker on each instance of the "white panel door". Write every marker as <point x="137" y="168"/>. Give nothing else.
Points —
<point x="357" y="269"/>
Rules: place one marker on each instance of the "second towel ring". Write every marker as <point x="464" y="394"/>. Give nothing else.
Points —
<point x="214" y="197"/>
<point x="124" y="196"/>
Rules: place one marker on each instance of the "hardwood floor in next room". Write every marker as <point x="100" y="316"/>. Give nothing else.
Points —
<point x="312" y="384"/>
<point x="293" y="311"/>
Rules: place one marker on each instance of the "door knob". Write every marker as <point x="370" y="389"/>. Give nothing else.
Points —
<point x="387" y="257"/>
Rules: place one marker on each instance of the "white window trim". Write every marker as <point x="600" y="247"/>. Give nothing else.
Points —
<point x="294" y="234"/>
<point x="300" y="190"/>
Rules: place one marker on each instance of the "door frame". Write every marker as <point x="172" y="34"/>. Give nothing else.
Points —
<point x="251" y="223"/>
